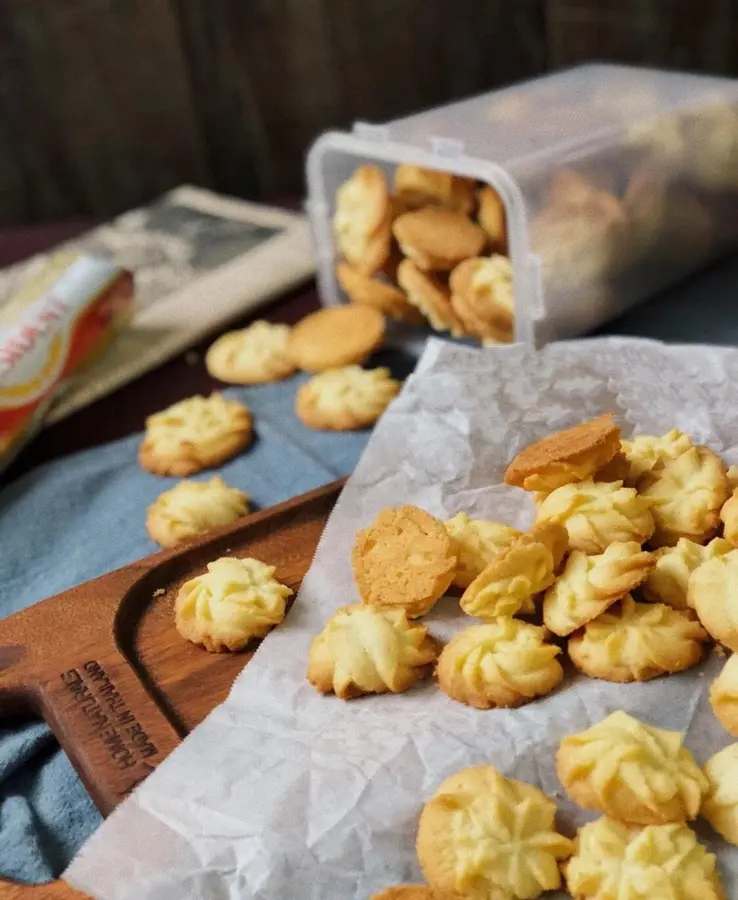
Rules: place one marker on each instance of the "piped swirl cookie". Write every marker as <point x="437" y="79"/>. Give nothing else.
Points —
<point x="191" y="508"/>
<point x="631" y="772"/>
<point x="194" y="434"/>
<point x="646" y="451"/>
<point x="345" y="399"/>
<point x="724" y="696"/>
<point x="720" y="806"/>
<point x="503" y="664"/>
<point x="482" y="296"/>
<point x="713" y="594"/>
<point x="667" y="582"/>
<point x="363" y="220"/>
<point x="729" y="518"/>
<point x="477" y="542"/>
<point x="491" y="837"/>
<point x="637" y="641"/>
<point x="234" y="601"/>
<point x="253" y="355"/>
<point x="366" y="650"/>
<point x="590" y="584"/>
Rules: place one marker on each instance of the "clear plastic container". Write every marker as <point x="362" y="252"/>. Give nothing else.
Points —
<point x="616" y="182"/>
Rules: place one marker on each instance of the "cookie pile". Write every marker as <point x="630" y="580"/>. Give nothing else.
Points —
<point x="482" y="835"/>
<point x="433" y="249"/>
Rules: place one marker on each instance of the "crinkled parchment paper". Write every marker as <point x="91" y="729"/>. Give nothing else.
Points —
<point x="287" y="795"/>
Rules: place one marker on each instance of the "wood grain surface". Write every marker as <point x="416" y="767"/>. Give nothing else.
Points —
<point x="120" y="688"/>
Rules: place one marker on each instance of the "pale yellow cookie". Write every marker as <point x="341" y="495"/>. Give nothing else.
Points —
<point x="504" y="664"/>
<point x="713" y="594"/>
<point x="415" y="892"/>
<point x="366" y="650"/>
<point x="509" y="583"/>
<point x="234" y="601"/>
<point x="363" y="220"/>
<point x="191" y="508"/>
<point x="729" y="518"/>
<point x="589" y="584"/>
<point x="490" y="837"/>
<point x="477" y="542"/>
<point x="345" y="399"/>
<point x="613" y="861"/>
<point x="724" y="696"/>
<point x="597" y="514"/>
<point x="492" y="218"/>
<point x="380" y="295"/>
<point x="430" y="296"/>
<point x="667" y="581"/>
<point x="404" y="560"/>
<point x="720" y="806"/>
<point x="417" y="187"/>
<point x="732" y="476"/>
<point x="637" y="641"/>
<point x="572" y="455"/>
<point x="336" y="336"/>
<point x="686" y="495"/>
<point x="645" y="451"/>
<point x="251" y="356"/>
<point x="194" y="434"/>
<point x="631" y="772"/>
<point x="437" y="239"/>
<point x="485" y="285"/>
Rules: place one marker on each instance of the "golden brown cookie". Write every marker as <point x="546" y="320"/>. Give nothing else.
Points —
<point x="637" y="641"/>
<point x="613" y="861"/>
<point x="191" y="508"/>
<point x="482" y="290"/>
<point x="251" y="356"/>
<point x="590" y="584"/>
<point x="345" y="399"/>
<point x="430" y="296"/>
<point x="490" y="837"/>
<point x="438" y="239"/>
<point x="477" y="542"/>
<point x="415" y="892"/>
<point x="668" y="580"/>
<point x="405" y="560"/>
<point x="574" y="454"/>
<point x="729" y="518"/>
<point x="336" y="336"/>
<point x="194" y="434"/>
<point x="380" y="295"/>
<point x="597" y="514"/>
<point x="235" y="601"/>
<point x="363" y="220"/>
<point x="417" y="187"/>
<point x="512" y="580"/>
<point x="503" y="664"/>
<point x="489" y="334"/>
<point x="492" y="218"/>
<point x="686" y="495"/>
<point x="631" y="772"/>
<point x="724" y="696"/>
<point x="720" y="806"/>
<point x="367" y="650"/>
<point x="713" y="594"/>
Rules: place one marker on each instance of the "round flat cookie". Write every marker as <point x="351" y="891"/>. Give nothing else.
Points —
<point x="429" y="296"/>
<point x="335" y="337"/>
<point x="437" y="239"/>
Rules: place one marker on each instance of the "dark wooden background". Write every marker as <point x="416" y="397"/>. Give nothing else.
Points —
<point x="106" y="103"/>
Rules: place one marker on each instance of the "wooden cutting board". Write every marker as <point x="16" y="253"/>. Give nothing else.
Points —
<point x="105" y="667"/>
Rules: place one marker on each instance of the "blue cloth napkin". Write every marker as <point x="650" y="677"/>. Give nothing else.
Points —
<point x="84" y="515"/>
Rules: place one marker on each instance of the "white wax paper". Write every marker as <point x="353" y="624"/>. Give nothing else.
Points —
<point x="283" y="794"/>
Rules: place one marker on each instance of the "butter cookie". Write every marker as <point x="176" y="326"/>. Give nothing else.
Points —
<point x="253" y="355"/>
<point x="191" y="508"/>
<point x="477" y="542"/>
<point x="345" y="399"/>
<point x="437" y="239"/>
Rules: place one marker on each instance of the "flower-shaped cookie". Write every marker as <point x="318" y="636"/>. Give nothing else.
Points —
<point x="477" y="543"/>
<point x="416" y="187"/>
<point x="488" y="836"/>
<point x="365" y="650"/>
<point x="482" y="296"/>
<point x="235" y="601"/>
<point x="345" y="399"/>
<point x="613" y="861"/>
<point x="194" y="507"/>
<point x="720" y="806"/>
<point x="729" y="518"/>
<point x="686" y="495"/>
<point x="631" y="772"/>
<point x="363" y="220"/>
<point x="589" y="584"/>
<point x="713" y="594"/>
<point x="405" y="560"/>
<point x="509" y="584"/>
<point x="597" y="514"/>
<point x="724" y="696"/>
<point x="437" y="239"/>
<point x="574" y="454"/>
<point x="194" y="434"/>
<point x="646" y="451"/>
<point x="251" y="356"/>
<point x="637" y="641"/>
<point x="668" y="580"/>
<point x="506" y="663"/>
